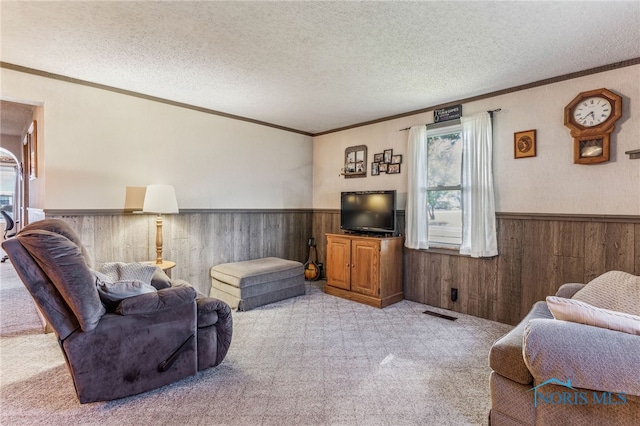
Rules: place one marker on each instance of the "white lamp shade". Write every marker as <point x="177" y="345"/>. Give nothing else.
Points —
<point x="160" y="199"/>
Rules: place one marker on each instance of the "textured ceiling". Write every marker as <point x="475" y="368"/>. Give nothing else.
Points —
<point x="316" y="66"/>
<point x="15" y="118"/>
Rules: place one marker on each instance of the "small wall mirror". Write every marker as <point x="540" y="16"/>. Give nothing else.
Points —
<point x="355" y="161"/>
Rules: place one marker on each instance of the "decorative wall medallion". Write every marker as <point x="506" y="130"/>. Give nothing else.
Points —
<point x="524" y="144"/>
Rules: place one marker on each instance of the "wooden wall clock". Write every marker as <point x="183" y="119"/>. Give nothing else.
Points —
<point x="591" y="117"/>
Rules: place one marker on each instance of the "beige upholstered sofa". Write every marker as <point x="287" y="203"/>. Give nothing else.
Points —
<point x="561" y="371"/>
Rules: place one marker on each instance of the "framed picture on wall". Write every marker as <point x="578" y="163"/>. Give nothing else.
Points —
<point x="396" y="159"/>
<point x="388" y="153"/>
<point x="375" y="169"/>
<point x="378" y="158"/>
<point x="383" y="167"/>
<point x="355" y="161"/>
<point x="393" y="169"/>
<point x="524" y="144"/>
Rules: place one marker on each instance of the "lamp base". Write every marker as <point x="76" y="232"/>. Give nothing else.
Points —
<point x="159" y="239"/>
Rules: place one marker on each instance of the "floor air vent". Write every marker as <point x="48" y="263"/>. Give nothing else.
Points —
<point x="436" y="314"/>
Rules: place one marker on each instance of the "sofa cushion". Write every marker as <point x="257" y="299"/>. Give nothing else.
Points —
<point x="505" y="356"/>
<point x="613" y="290"/>
<point x="592" y="357"/>
<point x="118" y="280"/>
<point x="584" y="313"/>
<point x="121" y="271"/>
<point x="160" y="279"/>
<point x="111" y="293"/>
<point x="62" y="260"/>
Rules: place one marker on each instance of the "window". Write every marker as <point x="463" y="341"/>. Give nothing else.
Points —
<point x="444" y="189"/>
<point x="8" y="172"/>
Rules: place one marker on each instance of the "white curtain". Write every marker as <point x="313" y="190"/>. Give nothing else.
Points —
<point x="478" y="205"/>
<point x="416" y="211"/>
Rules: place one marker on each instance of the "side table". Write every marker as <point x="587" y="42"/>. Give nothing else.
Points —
<point x="166" y="266"/>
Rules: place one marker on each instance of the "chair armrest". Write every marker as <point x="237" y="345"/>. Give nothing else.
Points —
<point x="164" y="299"/>
<point x="593" y="358"/>
<point x="211" y="311"/>
<point x="215" y="327"/>
<point x="568" y="290"/>
<point x="505" y="356"/>
<point x="214" y="319"/>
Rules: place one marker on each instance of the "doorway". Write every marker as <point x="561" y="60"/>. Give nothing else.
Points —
<point x="10" y="188"/>
<point x="15" y="120"/>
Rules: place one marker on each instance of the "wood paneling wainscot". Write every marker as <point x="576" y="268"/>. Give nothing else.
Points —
<point x="196" y="240"/>
<point x="537" y="254"/>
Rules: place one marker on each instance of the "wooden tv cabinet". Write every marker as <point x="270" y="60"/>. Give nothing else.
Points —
<point x="364" y="269"/>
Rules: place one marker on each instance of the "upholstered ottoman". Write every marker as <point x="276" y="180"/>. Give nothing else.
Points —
<point x="252" y="283"/>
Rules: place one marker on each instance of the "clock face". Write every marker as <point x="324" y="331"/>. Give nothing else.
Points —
<point x="592" y="111"/>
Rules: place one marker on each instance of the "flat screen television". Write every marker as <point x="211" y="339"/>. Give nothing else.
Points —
<point x="368" y="211"/>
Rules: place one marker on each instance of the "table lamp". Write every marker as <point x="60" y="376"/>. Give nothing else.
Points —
<point x="160" y="199"/>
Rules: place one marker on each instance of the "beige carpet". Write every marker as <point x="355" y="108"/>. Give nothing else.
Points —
<point x="312" y="360"/>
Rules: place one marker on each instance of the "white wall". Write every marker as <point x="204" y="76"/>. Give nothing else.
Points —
<point x="95" y="143"/>
<point x="547" y="183"/>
